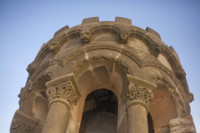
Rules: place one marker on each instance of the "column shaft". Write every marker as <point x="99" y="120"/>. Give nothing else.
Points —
<point x="137" y="119"/>
<point x="56" y="118"/>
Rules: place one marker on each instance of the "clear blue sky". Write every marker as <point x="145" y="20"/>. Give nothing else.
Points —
<point x="25" y="25"/>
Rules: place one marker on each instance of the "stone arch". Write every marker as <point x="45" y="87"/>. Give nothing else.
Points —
<point x="101" y="76"/>
<point x="101" y="104"/>
<point x="168" y="90"/>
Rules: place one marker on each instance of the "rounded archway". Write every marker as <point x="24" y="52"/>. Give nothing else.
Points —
<point x="100" y="112"/>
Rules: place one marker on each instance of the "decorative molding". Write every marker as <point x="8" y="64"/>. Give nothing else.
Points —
<point x="64" y="88"/>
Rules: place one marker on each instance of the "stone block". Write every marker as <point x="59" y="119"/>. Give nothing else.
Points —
<point x="90" y="20"/>
<point x="61" y="30"/>
<point x="123" y="20"/>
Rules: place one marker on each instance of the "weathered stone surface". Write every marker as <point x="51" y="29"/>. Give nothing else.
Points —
<point x="123" y="20"/>
<point x="182" y="125"/>
<point x="104" y="68"/>
<point x="153" y="32"/>
<point x="90" y="20"/>
<point x="123" y="37"/>
<point x="61" y="30"/>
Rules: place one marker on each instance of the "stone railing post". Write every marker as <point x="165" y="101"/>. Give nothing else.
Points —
<point x="62" y="93"/>
<point x="137" y="97"/>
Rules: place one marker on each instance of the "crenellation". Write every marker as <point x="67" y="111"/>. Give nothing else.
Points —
<point x="90" y="20"/>
<point x="123" y="20"/>
<point x="61" y="30"/>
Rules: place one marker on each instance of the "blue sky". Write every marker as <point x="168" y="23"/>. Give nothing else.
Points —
<point x="26" y="25"/>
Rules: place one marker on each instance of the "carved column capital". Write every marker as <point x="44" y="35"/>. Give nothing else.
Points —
<point x="63" y="89"/>
<point x="138" y="91"/>
<point x="136" y="94"/>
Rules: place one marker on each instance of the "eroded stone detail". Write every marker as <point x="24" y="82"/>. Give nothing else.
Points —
<point x="54" y="48"/>
<point x="85" y="36"/>
<point x="123" y="37"/>
<point x="155" y="50"/>
<point x="18" y="126"/>
<point x="136" y="92"/>
<point x="31" y="68"/>
<point x="180" y="74"/>
<point x="64" y="90"/>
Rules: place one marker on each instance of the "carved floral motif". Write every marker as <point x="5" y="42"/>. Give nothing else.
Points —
<point x="64" y="90"/>
<point x="136" y="92"/>
<point x="19" y="126"/>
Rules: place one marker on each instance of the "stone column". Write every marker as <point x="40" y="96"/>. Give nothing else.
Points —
<point x="137" y="100"/>
<point x="137" y="97"/>
<point x="61" y="94"/>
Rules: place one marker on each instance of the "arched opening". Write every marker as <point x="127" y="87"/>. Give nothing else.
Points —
<point x="100" y="112"/>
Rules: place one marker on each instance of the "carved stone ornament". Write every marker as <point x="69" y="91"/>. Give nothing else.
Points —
<point x="136" y="92"/>
<point x="31" y="68"/>
<point x="155" y="50"/>
<point x="54" y="47"/>
<point x="64" y="90"/>
<point x="19" y="126"/>
<point x="85" y="36"/>
<point x="123" y="37"/>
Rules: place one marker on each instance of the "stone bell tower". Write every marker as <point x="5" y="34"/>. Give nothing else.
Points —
<point x="105" y="77"/>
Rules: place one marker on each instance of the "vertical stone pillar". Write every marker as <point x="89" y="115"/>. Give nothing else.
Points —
<point x="62" y="93"/>
<point x="137" y="97"/>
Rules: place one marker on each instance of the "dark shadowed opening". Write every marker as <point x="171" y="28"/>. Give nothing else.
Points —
<point x="100" y="112"/>
<point x="150" y="124"/>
